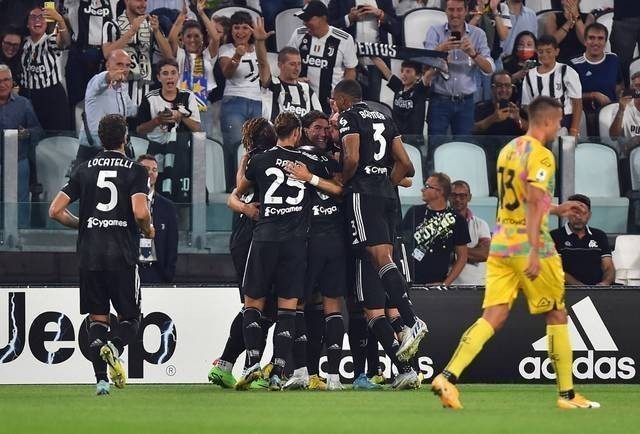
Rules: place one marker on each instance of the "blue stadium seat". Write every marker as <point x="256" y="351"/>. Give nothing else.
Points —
<point x="228" y="11"/>
<point x="539" y="5"/>
<point x="606" y="20"/>
<point x="215" y="181"/>
<point x="417" y="22"/>
<point x="53" y="157"/>
<point x="634" y="162"/>
<point x="413" y="195"/>
<point x="596" y="176"/>
<point x="140" y="145"/>
<point x="605" y="119"/>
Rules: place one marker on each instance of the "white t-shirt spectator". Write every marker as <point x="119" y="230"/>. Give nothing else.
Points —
<point x="631" y="121"/>
<point x="245" y="82"/>
<point x="561" y="83"/>
<point x="474" y="274"/>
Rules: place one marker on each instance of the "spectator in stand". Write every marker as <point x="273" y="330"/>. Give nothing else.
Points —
<point x="626" y="124"/>
<point x="167" y="116"/>
<point x="196" y="60"/>
<point x="10" y="53"/>
<point x="106" y="94"/>
<point x="411" y="91"/>
<point x="523" y="58"/>
<point x="625" y="33"/>
<point x="86" y="18"/>
<point x="500" y="116"/>
<point x="567" y="27"/>
<point x="452" y="100"/>
<point x="328" y="54"/>
<point x="135" y="32"/>
<point x="162" y="267"/>
<point x="493" y="18"/>
<point x="439" y="234"/>
<point x="523" y="19"/>
<point x="41" y="75"/>
<point x="245" y="66"/>
<point x="473" y="272"/>
<point x="367" y="21"/>
<point x="599" y="74"/>
<point x="16" y="113"/>
<point x="585" y="252"/>
<point x="287" y="92"/>
<point x="556" y="80"/>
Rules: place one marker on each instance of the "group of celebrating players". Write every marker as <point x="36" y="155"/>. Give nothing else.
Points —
<point x="298" y="264"/>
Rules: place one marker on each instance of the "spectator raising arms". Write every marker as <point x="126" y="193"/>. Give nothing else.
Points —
<point x="567" y="27"/>
<point x="196" y="60"/>
<point x="41" y="77"/>
<point x="245" y="66"/>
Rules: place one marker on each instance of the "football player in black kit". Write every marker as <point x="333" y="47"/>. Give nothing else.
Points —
<point x="371" y="145"/>
<point x="277" y="255"/>
<point x="258" y="136"/>
<point x="112" y="190"/>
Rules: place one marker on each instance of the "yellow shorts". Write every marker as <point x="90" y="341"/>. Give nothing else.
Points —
<point x="505" y="277"/>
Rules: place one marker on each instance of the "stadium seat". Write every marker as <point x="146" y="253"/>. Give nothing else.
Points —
<point x="228" y="11"/>
<point x="417" y="22"/>
<point x="62" y="66"/>
<point x="53" y="157"/>
<point x="466" y="161"/>
<point x="539" y="5"/>
<point x="606" y="20"/>
<point x="381" y="107"/>
<point x="583" y="125"/>
<point x="254" y="4"/>
<point x="386" y="94"/>
<point x="140" y="145"/>
<point x="605" y="119"/>
<point x="273" y="63"/>
<point x="286" y="25"/>
<point x="634" y="66"/>
<point x="542" y="19"/>
<point x="413" y="194"/>
<point x="587" y="6"/>
<point x="77" y="113"/>
<point x="239" y="154"/>
<point x="626" y="259"/>
<point x="634" y="162"/>
<point x="596" y="176"/>
<point x="215" y="181"/>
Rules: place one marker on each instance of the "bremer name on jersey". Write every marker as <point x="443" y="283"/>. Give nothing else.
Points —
<point x="377" y="133"/>
<point x="285" y="203"/>
<point x="108" y="233"/>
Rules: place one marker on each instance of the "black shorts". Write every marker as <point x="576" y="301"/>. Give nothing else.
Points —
<point x="120" y="287"/>
<point x="371" y="219"/>
<point x="278" y="264"/>
<point x="239" y="256"/>
<point x="326" y="267"/>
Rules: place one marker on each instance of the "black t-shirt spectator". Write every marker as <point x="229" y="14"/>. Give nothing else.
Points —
<point x="582" y="257"/>
<point x="408" y="106"/>
<point x="508" y="127"/>
<point x="434" y="237"/>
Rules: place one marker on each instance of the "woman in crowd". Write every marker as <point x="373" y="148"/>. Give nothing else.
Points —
<point x="41" y="74"/>
<point x="524" y="58"/>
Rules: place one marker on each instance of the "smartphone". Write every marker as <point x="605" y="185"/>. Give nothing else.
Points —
<point x="503" y="104"/>
<point x="49" y="5"/>
<point x="531" y="63"/>
<point x="635" y="93"/>
<point x="360" y="6"/>
<point x="456" y="35"/>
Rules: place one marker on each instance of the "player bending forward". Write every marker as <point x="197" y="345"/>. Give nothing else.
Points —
<point x="523" y="256"/>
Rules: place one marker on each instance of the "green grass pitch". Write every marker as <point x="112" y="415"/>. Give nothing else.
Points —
<point x="491" y="409"/>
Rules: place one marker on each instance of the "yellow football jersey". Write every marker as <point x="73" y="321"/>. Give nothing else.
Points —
<point x="522" y="161"/>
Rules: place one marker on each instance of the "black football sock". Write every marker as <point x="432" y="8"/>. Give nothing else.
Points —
<point x="373" y="358"/>
<point x="283" y="339"/>
<point x="396" y="286"/>
<point x="299" y="350"/>
<point x="334" y="334"/>
<point x="235" y="342"/>
<point x="97" y="337"/>
<point x="314" y="316"/>
<point x="397" y="324"/>
<point x="383" y="331"/>
<point x="252" y="332"/>
<point x="127" y="331"/>
<point x="358" y="333"/>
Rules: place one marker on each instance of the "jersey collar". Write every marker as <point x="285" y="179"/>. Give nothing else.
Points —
<point x="569" y="231"/>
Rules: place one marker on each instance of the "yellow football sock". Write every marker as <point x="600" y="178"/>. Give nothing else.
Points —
<point x="470" y="345"/>
<point x="561" y="355"/>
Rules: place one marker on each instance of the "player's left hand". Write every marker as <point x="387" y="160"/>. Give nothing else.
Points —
<point x="298" y="171"/>
<point x="533" y="266"/>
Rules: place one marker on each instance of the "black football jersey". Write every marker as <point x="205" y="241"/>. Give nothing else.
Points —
<point x="326" y="211"/>
<point x="242" y="226"/>
<point x="285" y="203"/>
<point x="108" y="234"/>
<point x="377" y="131"/>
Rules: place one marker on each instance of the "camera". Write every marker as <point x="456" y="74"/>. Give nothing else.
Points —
<point x="531" y="63"/>
<point x="456" y="35"/>
<point x="503" y="104"/>
<point x="635" y="93"/>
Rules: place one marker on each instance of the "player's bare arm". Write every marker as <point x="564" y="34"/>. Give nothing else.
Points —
<point x="402" y="167"/>
<point x="142" y="214"/>
<point x="236" y="204"/>
<point x="58" y="211"/>
<point x="351" y="149"/>
<point x="537" y="200"/>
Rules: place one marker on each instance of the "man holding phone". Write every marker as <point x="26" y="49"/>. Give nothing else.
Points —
<point x="626" y="124"/>
<point x="452" y="100"/>
<point x="500" y="116"/>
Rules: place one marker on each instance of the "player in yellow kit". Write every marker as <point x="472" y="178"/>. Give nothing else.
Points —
<point x="523" y="256"/>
